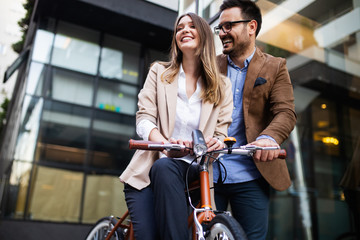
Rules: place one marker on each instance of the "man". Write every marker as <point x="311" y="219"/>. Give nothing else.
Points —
<point x="263" y="115"/>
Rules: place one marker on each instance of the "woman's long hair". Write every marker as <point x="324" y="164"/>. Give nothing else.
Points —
<point x="213" y="80"/>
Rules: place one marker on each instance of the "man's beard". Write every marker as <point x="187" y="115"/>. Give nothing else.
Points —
<point x="237" y="49"/>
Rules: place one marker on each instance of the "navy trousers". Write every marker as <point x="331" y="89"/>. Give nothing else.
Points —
<point x="171" y="210"/>
<point x="249" y="202"/>
<point x="141" y="208"/>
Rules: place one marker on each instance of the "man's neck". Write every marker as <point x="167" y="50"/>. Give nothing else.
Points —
<point x="240" y="58"/>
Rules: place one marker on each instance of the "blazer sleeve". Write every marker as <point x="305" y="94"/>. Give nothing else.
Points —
<point x="147" y="97"/>
<point x="225" y="113"/>
<point x="282" y="106"/>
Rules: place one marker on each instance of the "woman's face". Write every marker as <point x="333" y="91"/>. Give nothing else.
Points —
<point x="187" y="37"/>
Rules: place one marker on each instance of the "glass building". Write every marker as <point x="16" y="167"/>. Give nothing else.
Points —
<point x="73" y="111"/>
<point x="321" y="43"/>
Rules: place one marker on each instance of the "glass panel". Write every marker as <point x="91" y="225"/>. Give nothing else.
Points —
<point x="17" y="189"/>
<point x="28" y="132"/>
<point x="63" y="134"/>
<point x="56" y="195"/>
<point x="104" y="196"/>
<point x="76" y="48"/>
<point x="72" y="87"/>
<point x="35" y="79"/>
<point x="110" y="137"/>
<point x="42" y="46"/>
<point x="117" y="97"/>
<point x="120" y="59"/>
<point x="154" y="55"/>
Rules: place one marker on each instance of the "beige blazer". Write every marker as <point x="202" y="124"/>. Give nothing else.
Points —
<point x="157" y="103"/>
<point x="268" y="105"/>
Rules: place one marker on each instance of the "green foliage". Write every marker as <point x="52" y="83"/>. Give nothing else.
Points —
<point x="4" y="108"/>
<point x="24" y="25"/>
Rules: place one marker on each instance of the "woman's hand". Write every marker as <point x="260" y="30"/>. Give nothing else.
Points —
<point x="214" y="144"/>
<point x="179" y="153"/>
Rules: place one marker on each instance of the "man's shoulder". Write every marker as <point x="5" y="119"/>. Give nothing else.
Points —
<point x="268" y="56"/>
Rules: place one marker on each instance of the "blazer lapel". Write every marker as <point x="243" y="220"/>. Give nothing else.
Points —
<point x="206" y="109"/>
<point x="253" y="71"/>
<point x="171" y="91"/>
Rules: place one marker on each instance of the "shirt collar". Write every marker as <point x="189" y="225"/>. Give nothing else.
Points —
<point x="182" y="86"/>
<point x="181" y="71"/>
<point x="246" y="62"/>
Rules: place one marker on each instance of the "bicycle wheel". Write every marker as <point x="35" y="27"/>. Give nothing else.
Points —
<point x="102" y="228"/>
<point x="224" y="227"/>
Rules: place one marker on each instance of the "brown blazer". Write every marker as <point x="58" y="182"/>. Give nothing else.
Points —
<point x="268" y="105"/>
<point x="157" y="103"/>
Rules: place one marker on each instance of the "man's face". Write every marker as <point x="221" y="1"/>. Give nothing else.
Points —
<point x="237" y="40"/>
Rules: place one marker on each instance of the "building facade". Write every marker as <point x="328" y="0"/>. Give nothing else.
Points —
<point x="73" y="112"/>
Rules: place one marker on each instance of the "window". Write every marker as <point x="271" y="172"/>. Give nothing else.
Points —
<point x="117" y="97"/>
<point x="76" y="48"/>
<point x="120" y="59"/>
<point x="72" y="87"/>
<point x="109" y="140"/>
<point x="63" y="134"/>
<point x="42" y="46"/>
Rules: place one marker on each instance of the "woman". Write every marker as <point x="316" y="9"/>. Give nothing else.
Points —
<point x="178" y="96"/>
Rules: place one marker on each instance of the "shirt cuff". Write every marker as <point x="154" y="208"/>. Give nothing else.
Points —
<point x="144" y="128"/>
<point x="266" y="137"/>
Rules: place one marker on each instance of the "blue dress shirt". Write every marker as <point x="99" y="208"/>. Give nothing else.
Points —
<point x="238" y="168"/>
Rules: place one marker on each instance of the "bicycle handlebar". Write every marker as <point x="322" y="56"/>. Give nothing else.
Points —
<point x="248" y="150"/>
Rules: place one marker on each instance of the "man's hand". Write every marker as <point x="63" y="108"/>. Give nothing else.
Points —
<point x="265" y="155"/>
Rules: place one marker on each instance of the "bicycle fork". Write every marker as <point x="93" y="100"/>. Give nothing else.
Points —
<point x="204" y="213"/>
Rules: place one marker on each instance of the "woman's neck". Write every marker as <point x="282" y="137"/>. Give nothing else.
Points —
<point x="191" y="66"/>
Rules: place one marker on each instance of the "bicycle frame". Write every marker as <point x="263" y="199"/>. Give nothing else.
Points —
<point x="198" y="216"/>
<point x="203" y="212"/>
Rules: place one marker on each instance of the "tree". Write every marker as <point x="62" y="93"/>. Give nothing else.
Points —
<point x="24" y="25"/>
<point x="3" y="110"/>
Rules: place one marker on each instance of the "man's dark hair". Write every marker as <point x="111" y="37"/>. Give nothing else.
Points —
<point x="249" y="10"/>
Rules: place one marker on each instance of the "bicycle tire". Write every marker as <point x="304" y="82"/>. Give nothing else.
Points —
<point x="224" y="227"/>
<point x="101" y="229"/>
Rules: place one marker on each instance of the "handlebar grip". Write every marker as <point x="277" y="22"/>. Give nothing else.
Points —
<point x="144" y="145"/>
<point x="282" y="154"/>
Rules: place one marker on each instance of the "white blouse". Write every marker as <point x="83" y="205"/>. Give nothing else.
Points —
<point x="187" y="115"/>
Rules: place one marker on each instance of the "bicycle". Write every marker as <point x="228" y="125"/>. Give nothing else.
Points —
<point x="205" y="222"/>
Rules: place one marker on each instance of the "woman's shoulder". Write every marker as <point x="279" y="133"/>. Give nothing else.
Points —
<point x="158" y="66"/>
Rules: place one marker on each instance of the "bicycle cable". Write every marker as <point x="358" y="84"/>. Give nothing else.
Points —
<point x="187" y="182"/>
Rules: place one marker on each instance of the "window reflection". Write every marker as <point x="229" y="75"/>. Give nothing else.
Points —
<point x="72" y="87"/>
<point x="18" y="187"/>
<point x="30" y="119"/>
<point x="120" y="59"/>
<point x="56" y="195"/>
<point x="42" y="46"/>
<point x="109" y="140"/>
<point x="117" y="97"/>
<point x="104" y="196"/>
<point x="76" y="48"/>
<point x="63" y="134"/>
<point x="35" y="79"/>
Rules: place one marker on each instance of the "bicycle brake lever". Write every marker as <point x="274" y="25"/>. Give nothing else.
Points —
<point x="167" y="146"/>
<point x="254" y="148"/>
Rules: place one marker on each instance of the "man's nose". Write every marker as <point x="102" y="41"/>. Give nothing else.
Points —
<point x="222" y="34"/>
